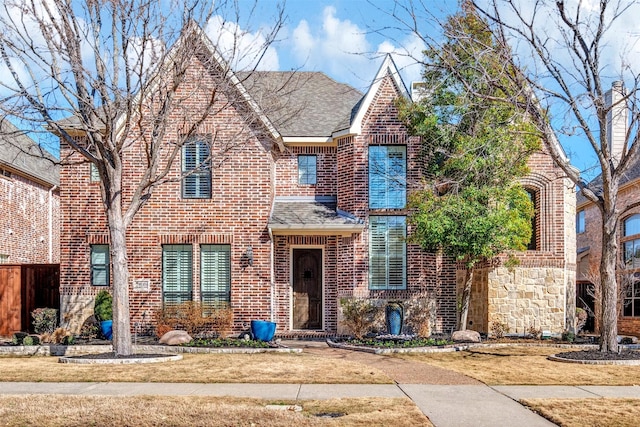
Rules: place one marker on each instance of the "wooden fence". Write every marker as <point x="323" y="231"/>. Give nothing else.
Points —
<point x="24" y="288"/>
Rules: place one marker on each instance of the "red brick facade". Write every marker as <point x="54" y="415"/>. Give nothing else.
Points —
<point x="590" y="241"/>
<point x="29" y="219"/>
<point x="245" y="187"/>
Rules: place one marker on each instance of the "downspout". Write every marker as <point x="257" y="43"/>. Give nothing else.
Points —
<point x="50" y="222"/>
<point x="272" y="275"/>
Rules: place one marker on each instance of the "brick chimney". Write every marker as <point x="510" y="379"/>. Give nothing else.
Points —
<point x="617" y="121"/>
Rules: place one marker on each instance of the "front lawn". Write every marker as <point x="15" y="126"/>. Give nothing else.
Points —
<point x="203" y="411"/>
<point x="200" y="368"/>
<point x="520" y="365"/>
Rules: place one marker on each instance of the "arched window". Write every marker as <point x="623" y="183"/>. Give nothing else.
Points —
<point x="631" y="258"/>
<point x="535" y="227"/>
<point x="631" y="229"/>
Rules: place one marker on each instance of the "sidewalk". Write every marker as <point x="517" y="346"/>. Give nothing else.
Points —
<point x="445" y="405"/>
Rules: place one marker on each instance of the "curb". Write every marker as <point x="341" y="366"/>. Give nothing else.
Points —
<point x="78" y="350"/>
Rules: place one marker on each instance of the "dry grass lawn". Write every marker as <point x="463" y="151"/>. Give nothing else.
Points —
<point x="200" y="368"/>
<point x="201" y="411"/>
<point x="588" y="412"/>
<point x="527" y="366"/>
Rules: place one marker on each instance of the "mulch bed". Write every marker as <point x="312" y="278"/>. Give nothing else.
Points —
<point x="112" y="355"/>
<point x="598" y="355"/>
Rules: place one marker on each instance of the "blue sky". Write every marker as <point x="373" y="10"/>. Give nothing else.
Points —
<point x="346" y="39"/>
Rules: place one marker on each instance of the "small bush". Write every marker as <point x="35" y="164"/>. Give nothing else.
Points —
<point x="359" y="315"/>
<point x="31" y="340"/>
<point x="18" y="337"/>
<point x="45" y="320"/>
<point x="581" y="319"/>
<point x="568" y="336"/>
<point x="103" y="306"/>
<point x="197" y="319"/>
<point x="59" y="336"/>
<point x="418" y="316"/>
<point x="499" y="329"/>
<point x="90" y="329"/>
<point x="535" y="333"/>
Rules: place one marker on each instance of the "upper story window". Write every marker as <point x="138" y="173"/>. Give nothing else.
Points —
<point x="387" y="252"/>
<point x="100" y="265"/>
<point x="94" y="174"/>
<point x="387" y="176"/>
<point x="535" y="227"/>
<point x="307" y="169"/>
<point x="580" y="224"/>
<point x="196" y="169"/>
<point x="631" y="240"/>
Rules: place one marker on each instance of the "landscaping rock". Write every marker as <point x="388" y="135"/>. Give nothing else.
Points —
<point x="175" y="338"/>
<point x="465" y="336"/>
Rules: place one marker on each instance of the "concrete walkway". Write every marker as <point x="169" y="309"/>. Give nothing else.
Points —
<point x="445" y="405"/>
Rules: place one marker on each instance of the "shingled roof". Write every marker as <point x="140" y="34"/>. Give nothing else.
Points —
<point x="301" y="103"/>
<point x="303" y="215"/>
<point x="633" y="174"/>
<point x="21" y="153"/>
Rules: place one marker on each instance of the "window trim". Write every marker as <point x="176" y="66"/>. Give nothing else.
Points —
<point x="581" y="224"/>
<point x="200" y="173"/>
<point x="633" y="298"/>
<point x="181" y="295"/>
<point x="388" y="256"/>
<point x="536" y="231"/>
<point x="304" y="168"/>
<point x="94" y="267"/>
<point x="215" y="301"/>
<point x="395" y="186"/>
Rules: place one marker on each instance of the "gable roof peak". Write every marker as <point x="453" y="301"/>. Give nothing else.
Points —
<point x="388" y="68"/>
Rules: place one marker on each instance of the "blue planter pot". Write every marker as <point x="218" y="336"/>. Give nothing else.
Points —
<point x="263" y="330"/>
<point x="106" y="326"/>
<point x="394" y="315"/>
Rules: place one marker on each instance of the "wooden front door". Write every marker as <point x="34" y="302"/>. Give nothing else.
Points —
<point x="307" y="289"/>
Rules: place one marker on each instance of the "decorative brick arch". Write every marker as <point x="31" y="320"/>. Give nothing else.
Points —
<point x="541" y="187"/>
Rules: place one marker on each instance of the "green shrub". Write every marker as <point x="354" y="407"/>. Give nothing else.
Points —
<point x="31" y="340"/>
<point x="18" y="337"/>
<point x="568" y="336"/>
<point x="359" y="315"/>
<point x="103" y="307"/>
<point x="45" y="320"/>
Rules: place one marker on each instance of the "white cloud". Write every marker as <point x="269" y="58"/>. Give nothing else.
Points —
<point x="406" y="56"/>
<point x="338" y="47"/>
<point x="241" y="48"/>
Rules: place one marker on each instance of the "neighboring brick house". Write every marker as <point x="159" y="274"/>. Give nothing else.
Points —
<point x="311" y="210"/>
<point x="589" y="234"/>
<point x="29" y="200"/>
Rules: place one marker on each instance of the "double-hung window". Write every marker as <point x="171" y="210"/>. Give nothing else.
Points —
<point x="196" y="169"/>
<point x="100" y="265"/>
<point x="215" y="275"/>
<point x="177" y="275"/>
<point x="387" y="252"/>
<point x="307" y="169"/>
<point x="387" y="176"/>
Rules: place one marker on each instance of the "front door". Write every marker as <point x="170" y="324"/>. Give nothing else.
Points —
<point x="307" y="289"/>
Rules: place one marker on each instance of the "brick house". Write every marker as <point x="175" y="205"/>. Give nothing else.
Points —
<point x="589" y="233"/>
<point x="29" y="200"/>
<point x="308" y="210"/>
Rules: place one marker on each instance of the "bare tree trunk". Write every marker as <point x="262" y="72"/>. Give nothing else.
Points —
<point x="609" y="285"/>
<point x="466" y="298"/>
<point x="120" y="268"/>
